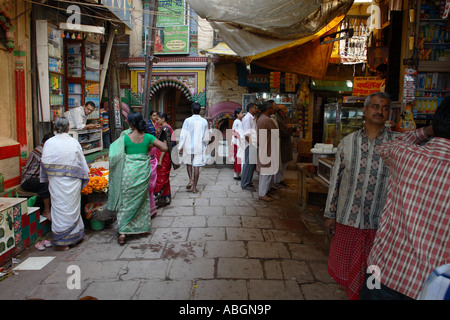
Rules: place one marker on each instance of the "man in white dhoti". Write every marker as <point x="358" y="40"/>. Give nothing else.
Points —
<point x="194" y="138"/>
<point x="64" y="167"/>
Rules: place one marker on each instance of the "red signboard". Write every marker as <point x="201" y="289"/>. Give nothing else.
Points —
<point x="365" y="86"/>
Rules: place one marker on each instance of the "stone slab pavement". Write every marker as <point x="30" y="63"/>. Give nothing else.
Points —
<point x="220" y="244"/>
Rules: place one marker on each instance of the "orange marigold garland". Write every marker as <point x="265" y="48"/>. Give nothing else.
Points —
<point x="98" y="181"/>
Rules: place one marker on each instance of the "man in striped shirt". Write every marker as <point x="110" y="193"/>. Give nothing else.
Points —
<point x="414" y="234"/>
<point x="356" y="196"/>
<point x="31" y="173"/>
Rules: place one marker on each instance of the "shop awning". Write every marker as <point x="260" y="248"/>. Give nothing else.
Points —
<point x="120" y="9"/>
<point x="261" y="31"/>
<point x="222" y="49"/>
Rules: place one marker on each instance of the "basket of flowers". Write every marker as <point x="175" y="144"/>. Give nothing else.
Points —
<point x="97" y="195"/>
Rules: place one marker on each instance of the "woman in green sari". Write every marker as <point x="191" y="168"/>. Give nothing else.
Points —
<point x="129" y="177"/>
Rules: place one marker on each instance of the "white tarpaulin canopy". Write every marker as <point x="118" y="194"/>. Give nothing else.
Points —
<point x="257" y="28"/>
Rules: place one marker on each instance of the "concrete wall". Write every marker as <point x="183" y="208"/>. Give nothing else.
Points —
<point x="136" y="45"/>
<point x="223" y="85"/>
<point x="205" y="35"/>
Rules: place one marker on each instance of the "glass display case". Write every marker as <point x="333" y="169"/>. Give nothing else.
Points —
<point x="90" y="140"/>
<point x="341" y="119"/>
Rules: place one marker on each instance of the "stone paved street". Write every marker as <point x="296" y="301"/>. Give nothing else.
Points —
<point x="220" y="244"/>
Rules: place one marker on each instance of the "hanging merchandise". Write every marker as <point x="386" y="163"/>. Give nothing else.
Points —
<point x="406" y="122"/>
<point x="275" y="81"/>
<point x="8" y="29"/>
<point x="446" y="9"/>
<point x="409" y="85"/>
<point x="303" y="102"/>
<point x="289" y="82"/>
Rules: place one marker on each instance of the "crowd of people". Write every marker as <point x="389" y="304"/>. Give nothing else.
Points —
<point x="262" y="143"/>
<point x="387" y="210"/>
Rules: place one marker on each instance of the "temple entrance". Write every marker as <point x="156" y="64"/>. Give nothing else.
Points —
<point x="174" y="103"/>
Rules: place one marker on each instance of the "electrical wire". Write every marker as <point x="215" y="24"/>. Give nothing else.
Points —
<point x="112" y="8"/>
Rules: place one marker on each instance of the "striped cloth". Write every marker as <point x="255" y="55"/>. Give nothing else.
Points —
<point x="104" y="119"/>
<point x="32" y="168"/>
<point x="414" y="234"/>
<point x="349" y="249"/>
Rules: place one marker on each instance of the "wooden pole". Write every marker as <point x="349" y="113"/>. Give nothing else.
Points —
<point x="114" y="101"/>
<point x="150" y="49"/>
<point x="106" y="62"/>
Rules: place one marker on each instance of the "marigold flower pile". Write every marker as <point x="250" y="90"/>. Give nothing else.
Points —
<point x="98" y="181"/>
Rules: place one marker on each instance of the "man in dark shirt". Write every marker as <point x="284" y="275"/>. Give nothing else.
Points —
<point x="30" y="176"/>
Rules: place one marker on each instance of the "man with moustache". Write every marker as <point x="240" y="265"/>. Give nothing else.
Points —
<point x="356" y="196"/>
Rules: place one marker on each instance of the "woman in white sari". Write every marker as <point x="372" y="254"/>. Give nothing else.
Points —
<point x="64" y="167"/>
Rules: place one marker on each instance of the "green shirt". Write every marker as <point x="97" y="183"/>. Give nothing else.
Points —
<point x="135" y="148"/>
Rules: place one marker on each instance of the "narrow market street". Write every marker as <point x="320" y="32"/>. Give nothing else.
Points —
<point x="221" y="244"/>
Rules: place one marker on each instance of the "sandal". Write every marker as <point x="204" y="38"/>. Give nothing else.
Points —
<point x="61" y="248"/>
<point x="189" y="186"/>
<point x="121" y="239"/>
<point x="47" y="243"/>
<point x="40" y="246"/>
<point x="265" y="198"/>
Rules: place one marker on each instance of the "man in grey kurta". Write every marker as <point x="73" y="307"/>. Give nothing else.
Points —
<point x="285" y="127"/>
<point x="268" y="152"/>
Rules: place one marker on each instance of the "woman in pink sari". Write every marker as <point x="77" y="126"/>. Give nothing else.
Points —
<point x="161" y="192"/>
<point x="153" y="128"/>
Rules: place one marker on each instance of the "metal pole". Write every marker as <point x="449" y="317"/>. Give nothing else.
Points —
<point x="150" y="49"/>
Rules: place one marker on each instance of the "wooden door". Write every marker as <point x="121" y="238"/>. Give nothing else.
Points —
<point x="172" y="98"/>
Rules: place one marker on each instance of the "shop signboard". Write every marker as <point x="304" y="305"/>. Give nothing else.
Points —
<point x="172" y="34"/>
<point x="117" y="112"/>
<point x="172" y="40"/>
<point x="171" y="13"/>
<point x="365" y="86"/>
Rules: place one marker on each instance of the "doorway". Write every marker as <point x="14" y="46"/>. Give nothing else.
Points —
<point x="175" y="104"/>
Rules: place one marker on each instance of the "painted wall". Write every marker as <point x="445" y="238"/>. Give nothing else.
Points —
<point x="201" y="84"/>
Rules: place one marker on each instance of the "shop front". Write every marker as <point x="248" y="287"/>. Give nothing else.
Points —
<point x="72" y="59"/>
<point x="411" y="39"/>
<point x="48" y="68"/>
<point x="284" y="88"/>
